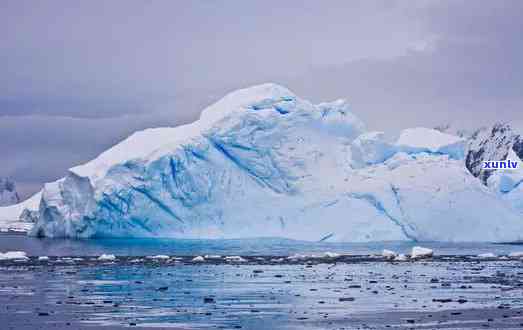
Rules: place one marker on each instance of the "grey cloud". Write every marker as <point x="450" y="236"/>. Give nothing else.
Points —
<point x="77" y="77"/>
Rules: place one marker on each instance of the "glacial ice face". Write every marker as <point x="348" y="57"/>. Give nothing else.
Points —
<point x="263" y="162"/>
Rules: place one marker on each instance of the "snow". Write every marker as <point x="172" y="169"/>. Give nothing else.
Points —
<point x="372" y="148"/>
<point x="413" y="140"/>
<point x="107" y="257"/>
<point x="13" y="255"/>
<point x="43" y="258"/>
<point x="421" y="252"/>
<point x="400" y="158"/>
<point x="262" y="162"/>
<point x="141" y="144"/>
<point x="198" y="259"/>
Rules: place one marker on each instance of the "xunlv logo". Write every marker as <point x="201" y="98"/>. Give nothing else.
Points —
<point x="494" y="165"/>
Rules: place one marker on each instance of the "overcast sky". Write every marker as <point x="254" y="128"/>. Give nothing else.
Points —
<point x="78" y="76"/>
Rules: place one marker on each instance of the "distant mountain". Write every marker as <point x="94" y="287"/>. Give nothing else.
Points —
<point x="8" y="194"/>
<point x="455" y="129"/>
<point x="494" y="143"/>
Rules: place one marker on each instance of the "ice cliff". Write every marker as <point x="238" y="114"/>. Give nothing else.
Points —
<point x="263" y="162"/>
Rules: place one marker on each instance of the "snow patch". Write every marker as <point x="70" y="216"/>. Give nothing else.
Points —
<point x="415" y="140"/>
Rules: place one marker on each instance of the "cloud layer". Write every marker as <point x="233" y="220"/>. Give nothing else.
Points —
<point x="78" y="77"/>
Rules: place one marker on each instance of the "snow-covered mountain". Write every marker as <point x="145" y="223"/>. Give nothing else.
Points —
<point x="493" y="143"/>
<point x="500" y="142"/>
<point x="8" y="194"/>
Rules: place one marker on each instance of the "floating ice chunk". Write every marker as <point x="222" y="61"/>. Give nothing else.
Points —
<point x="389" y="254"/>
<point x="415" y="140"/>
<point x="518" y="254"/>
<point x="13" y="255"/>
<point x="401" y="257"/>
<point x="487" y="255"/>
<point x="107" y="257"/>
<point x="421" y="252"/>
<point x="212" y="256"/>
<point x="298" y="257"/>
<point x="159" y="257"/>
<point x="43" y="258"/>
<point x="235" y="259"/>
<point x="331" y="255"/>
<point x="198" y="259"/>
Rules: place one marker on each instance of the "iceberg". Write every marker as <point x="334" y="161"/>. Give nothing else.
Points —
<point x="419" y="252"/>
<point x="262" y="162"/>
<point x="14" y="255"/>
<point x="107" y="257"/>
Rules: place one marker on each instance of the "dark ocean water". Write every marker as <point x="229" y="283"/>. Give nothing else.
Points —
<point x="262" y="246"/>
